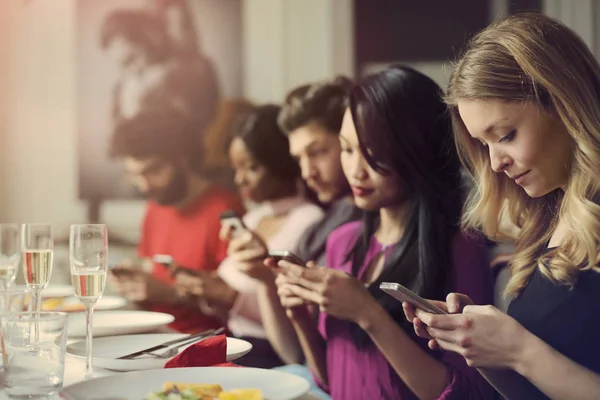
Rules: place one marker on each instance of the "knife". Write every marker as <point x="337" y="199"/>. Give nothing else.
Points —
<point x="199" y="335"/>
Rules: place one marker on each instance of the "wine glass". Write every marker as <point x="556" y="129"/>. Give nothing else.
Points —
<point x="88" y="253"/>
<point x="10" y="253"/>
<point x="37" y="247"/>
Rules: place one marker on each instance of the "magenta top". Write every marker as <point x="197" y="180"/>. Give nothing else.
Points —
<point x="365" y="373"/>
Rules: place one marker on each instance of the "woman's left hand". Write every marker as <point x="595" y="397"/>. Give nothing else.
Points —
<point x="335" y="292"/>
<point x="483" y="335"/>
<point x="248" y="251"/>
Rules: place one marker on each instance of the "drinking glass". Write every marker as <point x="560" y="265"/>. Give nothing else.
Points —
<point x="37" y="247"/>
<point x="88" y="253"/>
<point x="14" y="300"/>
<point x="9" y="254"/>
<point x="34" y="364"/>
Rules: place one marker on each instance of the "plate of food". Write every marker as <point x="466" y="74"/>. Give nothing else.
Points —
<point x="120" y="322"/>
<point x="205" y="383"/>
<point x="107" y="350"/>
<point x="73" y="304"/>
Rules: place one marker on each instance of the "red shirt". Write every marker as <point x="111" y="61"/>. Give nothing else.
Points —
<point x="191" y="237"/>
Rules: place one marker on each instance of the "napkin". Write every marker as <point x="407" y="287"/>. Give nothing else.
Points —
<point x="211" y="352"/>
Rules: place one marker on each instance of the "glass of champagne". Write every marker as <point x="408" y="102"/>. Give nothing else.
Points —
<point x="88" y="254"/>
<point x="37" y="247"/>
<point x="10" y="253"/>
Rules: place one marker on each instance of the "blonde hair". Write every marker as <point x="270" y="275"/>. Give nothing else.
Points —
<point x="533" y="58"/>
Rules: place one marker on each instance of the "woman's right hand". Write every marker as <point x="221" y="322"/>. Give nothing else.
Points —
<point x="248" y="251"/>
<point x="296" y="308"/>
<point x="454" y="304"/>
<point x="137" y="285"/>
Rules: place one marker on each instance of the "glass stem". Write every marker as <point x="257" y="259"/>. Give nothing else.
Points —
<point x="89" y="312"/>
<point x="6" y="300"/>
<point x="37" y="301"/>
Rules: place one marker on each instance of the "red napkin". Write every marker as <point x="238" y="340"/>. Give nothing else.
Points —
<point x="211" y="352"/>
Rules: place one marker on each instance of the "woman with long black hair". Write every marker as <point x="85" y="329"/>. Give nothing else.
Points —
<point x="398" y="156"/>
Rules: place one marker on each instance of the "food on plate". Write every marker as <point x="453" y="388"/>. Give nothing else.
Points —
<point x="62" y="304"/>
<point x="51" y="304"/>
<point x="241" y="394"/>
<point x="195" y="391"/>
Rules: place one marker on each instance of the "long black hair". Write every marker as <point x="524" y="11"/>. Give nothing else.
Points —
<point x="403" y="126"/>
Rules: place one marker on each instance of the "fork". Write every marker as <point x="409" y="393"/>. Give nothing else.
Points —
<point x="172" y="351"/>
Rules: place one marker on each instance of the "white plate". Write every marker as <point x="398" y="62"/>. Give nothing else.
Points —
<point x="275" y="385"/>
<point x="110" y="323"/>
<point x="105" y="303"/>
<point x="73" y="304"/>
<point x="106" y="350"/>
<point x="56" y="290"/>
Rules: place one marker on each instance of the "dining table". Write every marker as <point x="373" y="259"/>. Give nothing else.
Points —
<point x="75" y="372"/>
<point x="75" y="366"/>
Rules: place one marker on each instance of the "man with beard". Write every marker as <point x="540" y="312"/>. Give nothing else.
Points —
<point x="160" y="153"/>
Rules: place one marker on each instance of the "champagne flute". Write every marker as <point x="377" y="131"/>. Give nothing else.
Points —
<point x="10" y="253"/>
<point x="37" y="247"/>
<point x="88" y="253"/>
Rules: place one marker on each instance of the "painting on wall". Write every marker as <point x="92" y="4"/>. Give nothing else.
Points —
<point x="135" y="55"/>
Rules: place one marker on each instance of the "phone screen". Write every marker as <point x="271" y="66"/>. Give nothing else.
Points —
<point x="163" y="259"/>
<point x="286" y="255"/>
<point x="401" y="293"/>
<point x="119" y="271"/>
<point x="233" y="220"/>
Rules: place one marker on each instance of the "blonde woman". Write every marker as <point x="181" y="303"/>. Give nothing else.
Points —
<point x="525" y="104"/>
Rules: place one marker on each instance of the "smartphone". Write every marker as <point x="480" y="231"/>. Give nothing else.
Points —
<point x="401" y="293"/>
<point x="163" y="259"/>
<point x="120" y="271"/>
<point x="234" y="221"/>
<point x="286" y="255"/>
<point x="185" y="271"/>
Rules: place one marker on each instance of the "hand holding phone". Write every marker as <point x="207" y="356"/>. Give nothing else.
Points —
<point x="233" y="222"/>
<point x="401" y="293"/>
<point x="286" y="255"/>
<point x="124" y="272"/>
<point x="126" y="269"/>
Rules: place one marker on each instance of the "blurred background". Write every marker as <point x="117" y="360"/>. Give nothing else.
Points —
<point x="70" y="68"/>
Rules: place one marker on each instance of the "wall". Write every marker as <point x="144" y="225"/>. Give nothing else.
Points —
<point x="39" y="144"/>
<point x="4" y="96"/>
<point x="38" y="107"/>
<point x="38" y="93"/>
<point x="581" y="16"/>
<point x="291" y="42"/>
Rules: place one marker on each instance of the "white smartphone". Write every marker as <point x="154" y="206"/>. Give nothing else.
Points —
<point x="163" y="259"/>
<point x="401" y="293"/>
<point x="234" y="221"/>
<point x="286" y="255"/>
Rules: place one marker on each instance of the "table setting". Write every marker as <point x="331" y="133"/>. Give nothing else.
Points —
<point x="56" y="346"/>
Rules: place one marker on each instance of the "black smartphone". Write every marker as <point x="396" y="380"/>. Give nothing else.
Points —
<point x="120" y="271"/>
<point x="187" y="271"/>
<point x="286" y="255"/>
<point x="401" y="293"/>
<point x="234" y="221"/>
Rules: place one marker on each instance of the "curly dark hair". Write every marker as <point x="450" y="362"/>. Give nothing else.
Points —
<point x="160" y="132"/>
<point x="322" y="102"/>
<point x="264" y="139"/>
